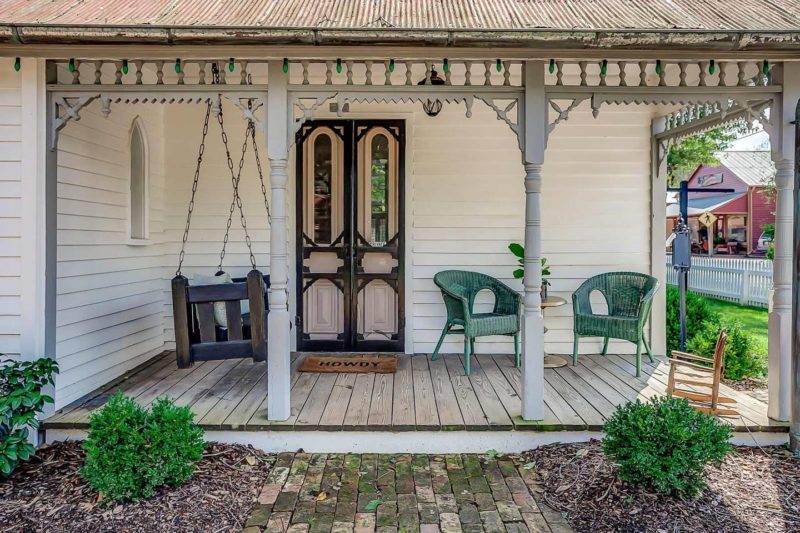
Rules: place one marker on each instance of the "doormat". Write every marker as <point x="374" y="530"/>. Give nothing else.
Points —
<point x="350" y="364"/>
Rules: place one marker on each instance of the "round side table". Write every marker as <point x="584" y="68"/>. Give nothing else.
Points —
<point x="553" y="361"/>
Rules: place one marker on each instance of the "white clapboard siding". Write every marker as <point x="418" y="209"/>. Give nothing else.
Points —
<point x="10" y="208"/>
<point x="109" y="306"/>
<point x="468" y="203"/>
<point x="744" y="280"/>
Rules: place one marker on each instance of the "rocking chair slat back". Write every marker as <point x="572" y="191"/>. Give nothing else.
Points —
<point x="233" y="317"/>
<point x="205" y="319"/>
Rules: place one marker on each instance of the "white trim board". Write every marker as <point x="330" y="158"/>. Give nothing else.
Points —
<point x="411" y="441"/>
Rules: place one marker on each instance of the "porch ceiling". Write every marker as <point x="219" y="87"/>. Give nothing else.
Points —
<point x="552" y="23"/>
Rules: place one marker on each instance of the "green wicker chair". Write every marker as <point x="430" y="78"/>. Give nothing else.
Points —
<point x="629" y="296"/>
<point x="459" y="289"/>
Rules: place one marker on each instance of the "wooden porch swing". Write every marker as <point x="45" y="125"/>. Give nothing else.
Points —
<point x="209" y="320"/>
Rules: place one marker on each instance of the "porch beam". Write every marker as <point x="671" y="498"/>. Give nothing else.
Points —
<point x="278" y="354"/>
<point x="535" y="117"/>
<point x="780" y="316"/>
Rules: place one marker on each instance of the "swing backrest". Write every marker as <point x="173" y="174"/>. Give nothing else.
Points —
<point x="196" y="333"/>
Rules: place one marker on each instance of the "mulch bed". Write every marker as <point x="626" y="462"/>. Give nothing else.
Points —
<point x="48" y="494"/>
<point x="747" y="384"/>
<point x="754" y="490"/>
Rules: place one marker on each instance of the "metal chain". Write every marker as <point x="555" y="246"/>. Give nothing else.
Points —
<point x="237" y="200"/>
<point x="260" y="173"/>
<point x="201" y="150"/>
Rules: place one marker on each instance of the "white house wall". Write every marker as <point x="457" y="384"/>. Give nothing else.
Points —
<point x="10" y="208"/>
<point x="109" y="309"/>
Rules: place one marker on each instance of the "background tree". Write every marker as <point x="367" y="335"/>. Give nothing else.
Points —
<point x="684" y="158"/>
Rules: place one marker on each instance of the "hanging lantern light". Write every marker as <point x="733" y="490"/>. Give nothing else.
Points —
<point x="432" y="107"/>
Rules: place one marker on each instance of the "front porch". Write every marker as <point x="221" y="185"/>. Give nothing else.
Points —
<point x="422" y="395"/>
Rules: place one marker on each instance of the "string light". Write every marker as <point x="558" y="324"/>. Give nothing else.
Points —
<point x="711" y="67"/>
<point x="178" y="66"/>
<point x="17" y="64"/>
<point x="765" y="67"/>
<point x="231" y="64"/>
<point x="552" y="67"/>
<point x="391" y="65"/>
<point x="124" y="66"/>
<point x="338" y="66"/>
<point x="604" y="67"/>
<point x="658" y="66"/>
<point x="499" y="65"/>
<point x="72" y="64"/>
<point x="445" y="65"/>
<point x="285" y="65"/>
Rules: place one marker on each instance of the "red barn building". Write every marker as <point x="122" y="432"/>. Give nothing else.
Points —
<point x="740" y="214"/>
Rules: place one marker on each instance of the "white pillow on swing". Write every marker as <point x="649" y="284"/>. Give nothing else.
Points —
<point x="220" y="316"/>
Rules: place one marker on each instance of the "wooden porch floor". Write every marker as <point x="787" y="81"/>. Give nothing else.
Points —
<point x="422" y="395"/>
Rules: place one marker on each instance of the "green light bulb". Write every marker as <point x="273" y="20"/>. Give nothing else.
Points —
<point x="658" y="66"/>
<point x="604" y="67"/>
<point x="124" y="66"/>
<point x="499" y="65"/>
<point x="765" y="67"/>
<point x="391" y="65"/>
<point x="552" y="67"/>
<point x="445" y="65"/>
<point x="72" y="65"/>
<point x="231" y="65"/>
<point x="338" y="66"/>
<point x="17" y="64"/>
<point x="285" y="65"/>
<point x="178" y="66"/>
<point x="711" y="67"/>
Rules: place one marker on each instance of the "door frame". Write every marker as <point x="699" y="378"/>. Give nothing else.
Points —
<point x="349" y="341"/>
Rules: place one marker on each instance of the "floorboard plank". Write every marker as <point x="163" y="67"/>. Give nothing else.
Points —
<point x="357" y="415"/>
<point x="245" y="409"/>
<point x="216" y="416"/>
<point x="215" y="394"/>
<point x="309" y="416"/>
<point x="177" y="383"/>
<point x="426" y="415"/>
<point x="202" y="387"/>
<point x="503" y="389"/>
<point x="494" y="412"/>
<point x="380" y="408"/>
<point x="403" y="410"/>
<point x="446" y="403"/>
<point x="336" y="408"/>
<point x="584" y="409"/>
<point x="550" y="422"/>
<point x="471" y="409"/>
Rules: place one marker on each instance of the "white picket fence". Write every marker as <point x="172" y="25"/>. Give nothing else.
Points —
<point x="737" y="279"/>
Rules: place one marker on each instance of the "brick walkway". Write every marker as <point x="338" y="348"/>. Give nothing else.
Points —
<point x="341" y="493"/>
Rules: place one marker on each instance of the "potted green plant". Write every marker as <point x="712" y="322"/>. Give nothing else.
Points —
<point x="519" y="251"/>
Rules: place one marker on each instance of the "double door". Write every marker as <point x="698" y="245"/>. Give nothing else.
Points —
<point x="350" y="235"/>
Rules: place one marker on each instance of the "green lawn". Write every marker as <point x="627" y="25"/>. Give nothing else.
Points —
<point x="754" y="319"/>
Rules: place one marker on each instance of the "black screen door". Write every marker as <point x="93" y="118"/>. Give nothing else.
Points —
<point x="350" y="210"/>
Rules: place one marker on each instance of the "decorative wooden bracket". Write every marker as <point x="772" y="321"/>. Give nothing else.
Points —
<point x="66" y="108"/>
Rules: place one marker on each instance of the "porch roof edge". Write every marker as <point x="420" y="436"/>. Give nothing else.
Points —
<point x="534" y="39"/>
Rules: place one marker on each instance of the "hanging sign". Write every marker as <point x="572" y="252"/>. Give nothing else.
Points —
<point x="707" y="218"/>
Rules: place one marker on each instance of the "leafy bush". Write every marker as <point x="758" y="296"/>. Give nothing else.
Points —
<point x="131" y="451"/>
<point x="665" y="445"/>
<point x="698" y="312"/>
<point x="741" y="357"/>
<point x="21" y="398"/>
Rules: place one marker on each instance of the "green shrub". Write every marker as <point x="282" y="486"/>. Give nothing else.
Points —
<point x="131" y="451"/>
<point x="698" y="312"/>
<point x="741" y="357"/>
<point x="665" y="445"/>
<point x="21" y="398"/>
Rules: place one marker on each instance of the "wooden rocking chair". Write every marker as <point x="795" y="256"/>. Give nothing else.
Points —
<point x="685" y="370"/>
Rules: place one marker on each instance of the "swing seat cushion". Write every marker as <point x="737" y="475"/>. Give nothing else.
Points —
<point x="220" y="317"/>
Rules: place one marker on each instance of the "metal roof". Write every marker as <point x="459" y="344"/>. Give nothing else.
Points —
<point x="752" y="167"/>
<point x="698" y="206"/>
<point x="480" y="15"/>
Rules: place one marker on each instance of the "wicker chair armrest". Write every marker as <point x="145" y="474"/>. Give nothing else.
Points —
<point x="580" y="300"/>
<point x="467" y="312"/>
<point x="506" y="300"/>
